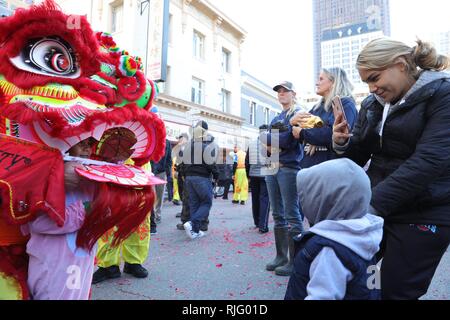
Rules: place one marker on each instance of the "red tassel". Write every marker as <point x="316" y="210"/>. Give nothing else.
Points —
<point x="115" y="206"/>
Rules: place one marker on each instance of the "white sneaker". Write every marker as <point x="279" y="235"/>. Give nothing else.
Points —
<point x="188" y="228"/>
<point x="193" y="235"/>
<point x="201" y="234"/>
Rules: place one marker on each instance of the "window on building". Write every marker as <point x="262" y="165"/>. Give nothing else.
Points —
<point x="168" y="81"/>
<point x="199" y="45"/>
<point x="266" y="115"/>
<point x="225" y="100"/>
<point x="170" y="29"/>
<point x="226" y="60"/>
<point x="198" y="91"/>
<point x="116" y="17"/>
<point x="252" y="118"/>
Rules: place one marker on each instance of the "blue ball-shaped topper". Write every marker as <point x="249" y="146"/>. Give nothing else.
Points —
<point x="154" y="109"/>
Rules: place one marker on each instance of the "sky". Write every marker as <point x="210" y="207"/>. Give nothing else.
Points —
<point x="279" y="41"/>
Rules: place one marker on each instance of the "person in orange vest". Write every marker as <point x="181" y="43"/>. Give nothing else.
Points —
<point x="240" y="178"/>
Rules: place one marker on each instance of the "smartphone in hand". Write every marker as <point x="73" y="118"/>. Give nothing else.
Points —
<point x="338" y="109"/>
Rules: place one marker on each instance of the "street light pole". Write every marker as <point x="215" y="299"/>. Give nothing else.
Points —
<point x="144" y="4"/>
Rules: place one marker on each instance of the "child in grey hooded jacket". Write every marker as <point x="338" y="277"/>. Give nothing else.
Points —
<point x="334" y="258"/>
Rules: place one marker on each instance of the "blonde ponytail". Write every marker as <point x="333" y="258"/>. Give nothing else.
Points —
<point x="426" y="57"/>
<point x="383" y="52"/>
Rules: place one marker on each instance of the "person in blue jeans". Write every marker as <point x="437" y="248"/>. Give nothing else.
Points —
<point x="257" y="167"/>
<point x="281" y="183"/>
<point x="317" y="142"/>
<point x="199" y="158"/>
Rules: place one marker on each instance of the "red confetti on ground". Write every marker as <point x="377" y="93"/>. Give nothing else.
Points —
<point x="240" y="252"/>
<point x="123" y="282"/>
<point x="219" y="265"/>
<point x="228" y="237"/>
<point x="262" y="244"/>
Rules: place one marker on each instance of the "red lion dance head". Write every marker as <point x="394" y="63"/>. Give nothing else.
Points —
<point x="61" y="84"/>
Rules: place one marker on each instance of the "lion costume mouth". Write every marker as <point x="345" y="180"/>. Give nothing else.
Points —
<point x="63" y="104"/>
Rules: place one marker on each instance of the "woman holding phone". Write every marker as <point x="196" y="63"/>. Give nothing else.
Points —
<point x="317" y="142"/>
<point x="403" y="127"/>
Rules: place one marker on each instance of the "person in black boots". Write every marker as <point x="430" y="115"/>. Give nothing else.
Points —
<point x="133" y="251"/>
<point x="258" y="167"/>
<point x="283" y="196"/>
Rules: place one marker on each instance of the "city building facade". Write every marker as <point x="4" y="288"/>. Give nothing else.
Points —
<point x="203" y="72"/>
<point x="442" y="42"/>
<point x="259" y="103"/>
<point x="342" y="28"/>
<point x="8" y="6"/>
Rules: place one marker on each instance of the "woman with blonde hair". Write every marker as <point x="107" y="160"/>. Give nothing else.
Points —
<point x="403" y="127"/>
<point x="317" y="142"/>
<point x="283" y="197"/>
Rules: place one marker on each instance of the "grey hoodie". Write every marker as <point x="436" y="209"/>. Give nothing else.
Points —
<point x="335" y="197"/>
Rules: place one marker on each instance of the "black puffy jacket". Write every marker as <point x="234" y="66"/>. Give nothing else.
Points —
<point x="202" y="164"/>
<point x="410" y="166"/>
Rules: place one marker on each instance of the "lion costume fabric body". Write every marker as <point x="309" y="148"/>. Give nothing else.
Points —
<point x="59" y="85"/>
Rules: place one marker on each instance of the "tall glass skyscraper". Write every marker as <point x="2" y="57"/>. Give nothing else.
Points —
<point x="343" y="27"/>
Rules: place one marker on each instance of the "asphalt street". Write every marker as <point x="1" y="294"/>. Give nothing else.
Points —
<point x="227" y="264"/>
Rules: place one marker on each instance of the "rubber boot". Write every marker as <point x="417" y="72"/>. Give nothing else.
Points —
<point x="281" y="244"/>
<point x="286" y="270"/>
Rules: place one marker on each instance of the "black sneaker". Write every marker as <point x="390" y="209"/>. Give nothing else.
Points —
<point x="263" y="230"/>
<point x="153" y="231"/>
<point x="180" y="226"/>
<point x="176" y="202"/>
<point x="136" y="270"/>
<point x="234" y="201"/>
<point x="243" y="203"/>
<point x="178" y="215"/>
<point x="204" y="228"/>
<point x="103" y="274"/>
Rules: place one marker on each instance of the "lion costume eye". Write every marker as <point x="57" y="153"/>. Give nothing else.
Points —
<point x="50" y="56"/>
